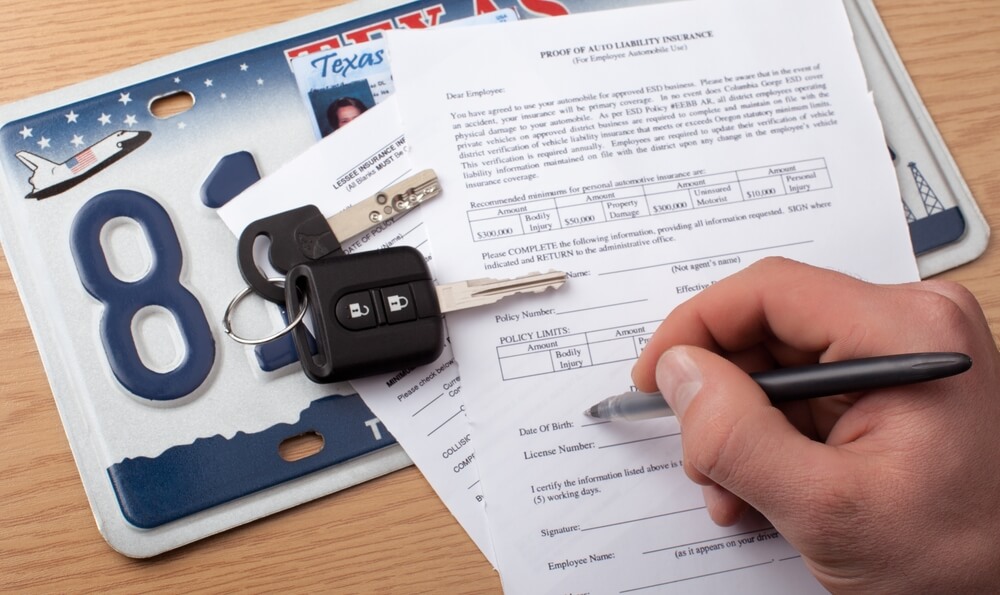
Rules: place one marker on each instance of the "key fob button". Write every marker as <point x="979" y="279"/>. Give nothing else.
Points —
<point x="397" y="303"/>
<point x="355" y="311"/>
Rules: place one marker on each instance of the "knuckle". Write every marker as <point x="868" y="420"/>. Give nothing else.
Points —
<point x="771" y="263"/>
<point x="945" y="310"/>
<point x="953" y="291"/>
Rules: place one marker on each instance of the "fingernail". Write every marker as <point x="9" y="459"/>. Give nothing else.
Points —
<point x="678" y="378"/>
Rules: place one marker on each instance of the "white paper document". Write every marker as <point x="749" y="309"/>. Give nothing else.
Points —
<point x="422" y="407"/>
<point x="648" y="153"/>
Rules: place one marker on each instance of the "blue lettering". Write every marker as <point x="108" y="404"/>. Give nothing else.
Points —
<point x="333" y="63"/>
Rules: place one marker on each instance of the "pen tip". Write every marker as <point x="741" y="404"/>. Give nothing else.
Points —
<point x="591" y="411"/>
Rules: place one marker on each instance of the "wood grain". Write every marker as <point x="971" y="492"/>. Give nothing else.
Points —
<point x="391" y="534"/>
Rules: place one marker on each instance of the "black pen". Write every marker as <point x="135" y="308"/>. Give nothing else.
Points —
<point x="807" y="382"/>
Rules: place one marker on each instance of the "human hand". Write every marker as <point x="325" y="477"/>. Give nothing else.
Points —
<point x="895" y="490"/>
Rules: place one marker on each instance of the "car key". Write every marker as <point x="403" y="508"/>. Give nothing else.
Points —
<point x="378" y="312"/>
<point x="304" y="235"/>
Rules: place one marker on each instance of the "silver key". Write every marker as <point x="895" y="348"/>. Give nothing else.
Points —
<point x="388" y="203"/>
<point x="480" y="292"/>
<point x="303" y="235"/>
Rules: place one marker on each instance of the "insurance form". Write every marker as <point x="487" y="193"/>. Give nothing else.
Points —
<point x="648" y="152"/>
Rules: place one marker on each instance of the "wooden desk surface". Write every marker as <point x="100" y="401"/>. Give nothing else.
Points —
<point x="362" y="539"/>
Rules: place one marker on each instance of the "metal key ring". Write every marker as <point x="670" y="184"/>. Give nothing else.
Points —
<point x="227" y="318"/>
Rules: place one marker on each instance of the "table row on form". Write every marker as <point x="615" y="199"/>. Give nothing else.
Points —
<point x="520" y="215"/>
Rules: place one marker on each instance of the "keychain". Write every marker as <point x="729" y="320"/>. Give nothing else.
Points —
<point x="373" y="312"/>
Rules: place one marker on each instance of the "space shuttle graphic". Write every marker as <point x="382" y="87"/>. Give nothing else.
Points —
<point x="49" y="179"/>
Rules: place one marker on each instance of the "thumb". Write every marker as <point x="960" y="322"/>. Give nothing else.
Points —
<point x="735" y="439"/>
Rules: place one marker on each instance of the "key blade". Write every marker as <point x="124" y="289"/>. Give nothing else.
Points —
<point x="480" y="292"/>
<point x="398" y="198"/>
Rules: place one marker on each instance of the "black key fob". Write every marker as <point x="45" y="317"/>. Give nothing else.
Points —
<point x="299" y="235"/>
<point x="372" y="313"/>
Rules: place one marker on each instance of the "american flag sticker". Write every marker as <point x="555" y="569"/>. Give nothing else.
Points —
<point x="81" y="161"/>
